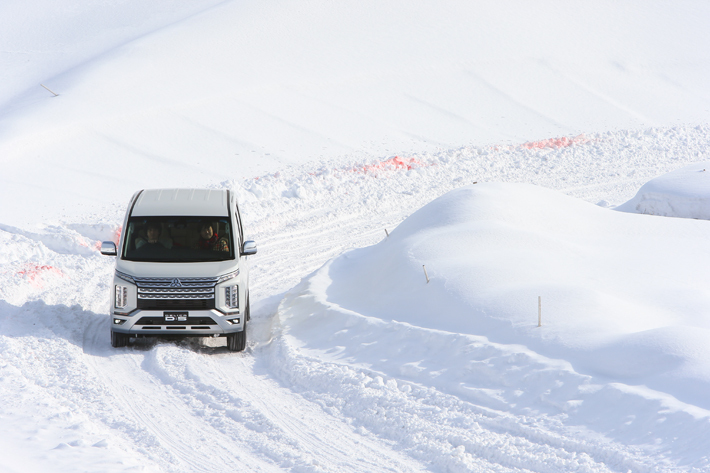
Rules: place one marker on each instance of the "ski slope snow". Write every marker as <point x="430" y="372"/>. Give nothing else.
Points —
<point x="246" y="88"/>
<point x="494" y="142"/>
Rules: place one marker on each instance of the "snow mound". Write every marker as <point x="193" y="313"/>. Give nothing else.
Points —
<point x="624" y="297"/>
<point x="682" y="193"/>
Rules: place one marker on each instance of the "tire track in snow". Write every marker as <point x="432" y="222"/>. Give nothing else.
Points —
<point x="444" y="432"/>
<point x="207" y="411"/>
<point x="287" y="258"/>
<point x="179" y="442"/>
<point x="334" y="444"/>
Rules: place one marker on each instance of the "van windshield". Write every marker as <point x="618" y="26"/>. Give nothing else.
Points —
<point x="178" y="239"/>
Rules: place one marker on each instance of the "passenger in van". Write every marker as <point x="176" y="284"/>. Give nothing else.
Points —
<point x="152" y="240"/>
<point x="210" y="240"/>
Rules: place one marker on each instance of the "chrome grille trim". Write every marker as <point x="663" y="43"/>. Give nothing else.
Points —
<point x="172" y="290"/>
<point x="176" y="288"/>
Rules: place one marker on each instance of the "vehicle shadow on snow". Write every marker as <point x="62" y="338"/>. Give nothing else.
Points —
<point x="87" y="330"/>
<point x="39" y="320"/>
<point x="91" y="330"/>
<point x="202" y="345"/>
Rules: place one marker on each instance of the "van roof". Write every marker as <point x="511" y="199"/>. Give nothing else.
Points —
<point x="167" y="202"/>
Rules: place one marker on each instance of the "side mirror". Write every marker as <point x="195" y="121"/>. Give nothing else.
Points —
<point x="249" y="248"/>
<point x="108" y="248"/>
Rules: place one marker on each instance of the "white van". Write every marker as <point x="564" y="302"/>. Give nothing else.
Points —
<point x="181" y="268"/>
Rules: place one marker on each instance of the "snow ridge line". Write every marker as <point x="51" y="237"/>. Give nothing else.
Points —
<point x="608" y="167"/>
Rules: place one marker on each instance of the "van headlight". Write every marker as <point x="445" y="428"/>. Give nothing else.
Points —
<point x="231" y="297"/>
<point x="125" y="277"/>
<point x="121" y="297"/>
<point x="228" y="276"/>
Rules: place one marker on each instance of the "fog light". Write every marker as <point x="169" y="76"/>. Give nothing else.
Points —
<point x="118" y="321"/>
<point x="234" y="321"/>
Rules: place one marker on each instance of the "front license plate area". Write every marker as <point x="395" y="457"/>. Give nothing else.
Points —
<point x="175" y="316"/>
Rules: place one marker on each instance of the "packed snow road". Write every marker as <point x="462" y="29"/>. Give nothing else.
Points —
<point x="290" y="402"/>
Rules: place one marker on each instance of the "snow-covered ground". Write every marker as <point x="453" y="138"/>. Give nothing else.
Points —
<point x="494" y="141"/>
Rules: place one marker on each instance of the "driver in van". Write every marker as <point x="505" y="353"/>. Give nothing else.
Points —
<point x="210" y="240"/>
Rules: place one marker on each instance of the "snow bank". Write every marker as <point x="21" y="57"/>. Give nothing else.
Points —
<point x="446" y="397"/>
<point x="682" y="193"/>
<point x="625" y="301"/>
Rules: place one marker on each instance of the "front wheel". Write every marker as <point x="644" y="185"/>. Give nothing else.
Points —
<point x="119" y="340"/>
<point x="238" y="341"/>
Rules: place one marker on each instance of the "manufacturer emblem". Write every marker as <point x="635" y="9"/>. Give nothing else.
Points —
<point x="176" y="283"/>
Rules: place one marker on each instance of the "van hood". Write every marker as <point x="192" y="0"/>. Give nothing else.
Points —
<point x="168" y="270"/>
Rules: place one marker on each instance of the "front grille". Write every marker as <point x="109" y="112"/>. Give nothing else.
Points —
<point x="176" y="293"/>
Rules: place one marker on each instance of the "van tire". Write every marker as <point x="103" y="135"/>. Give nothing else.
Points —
<point x="248" y="312"/>
<point x="119" y="340"/>
<point x="238" y="341"/>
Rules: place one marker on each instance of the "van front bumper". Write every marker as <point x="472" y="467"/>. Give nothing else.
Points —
<point x="186" y="323"/>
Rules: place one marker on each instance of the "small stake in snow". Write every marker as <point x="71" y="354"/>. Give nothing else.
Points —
<point x="56" y="95"/>
<point x="539" y="311"/>
<point x="387" y="233"/>
<point x="425" y="274"/>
